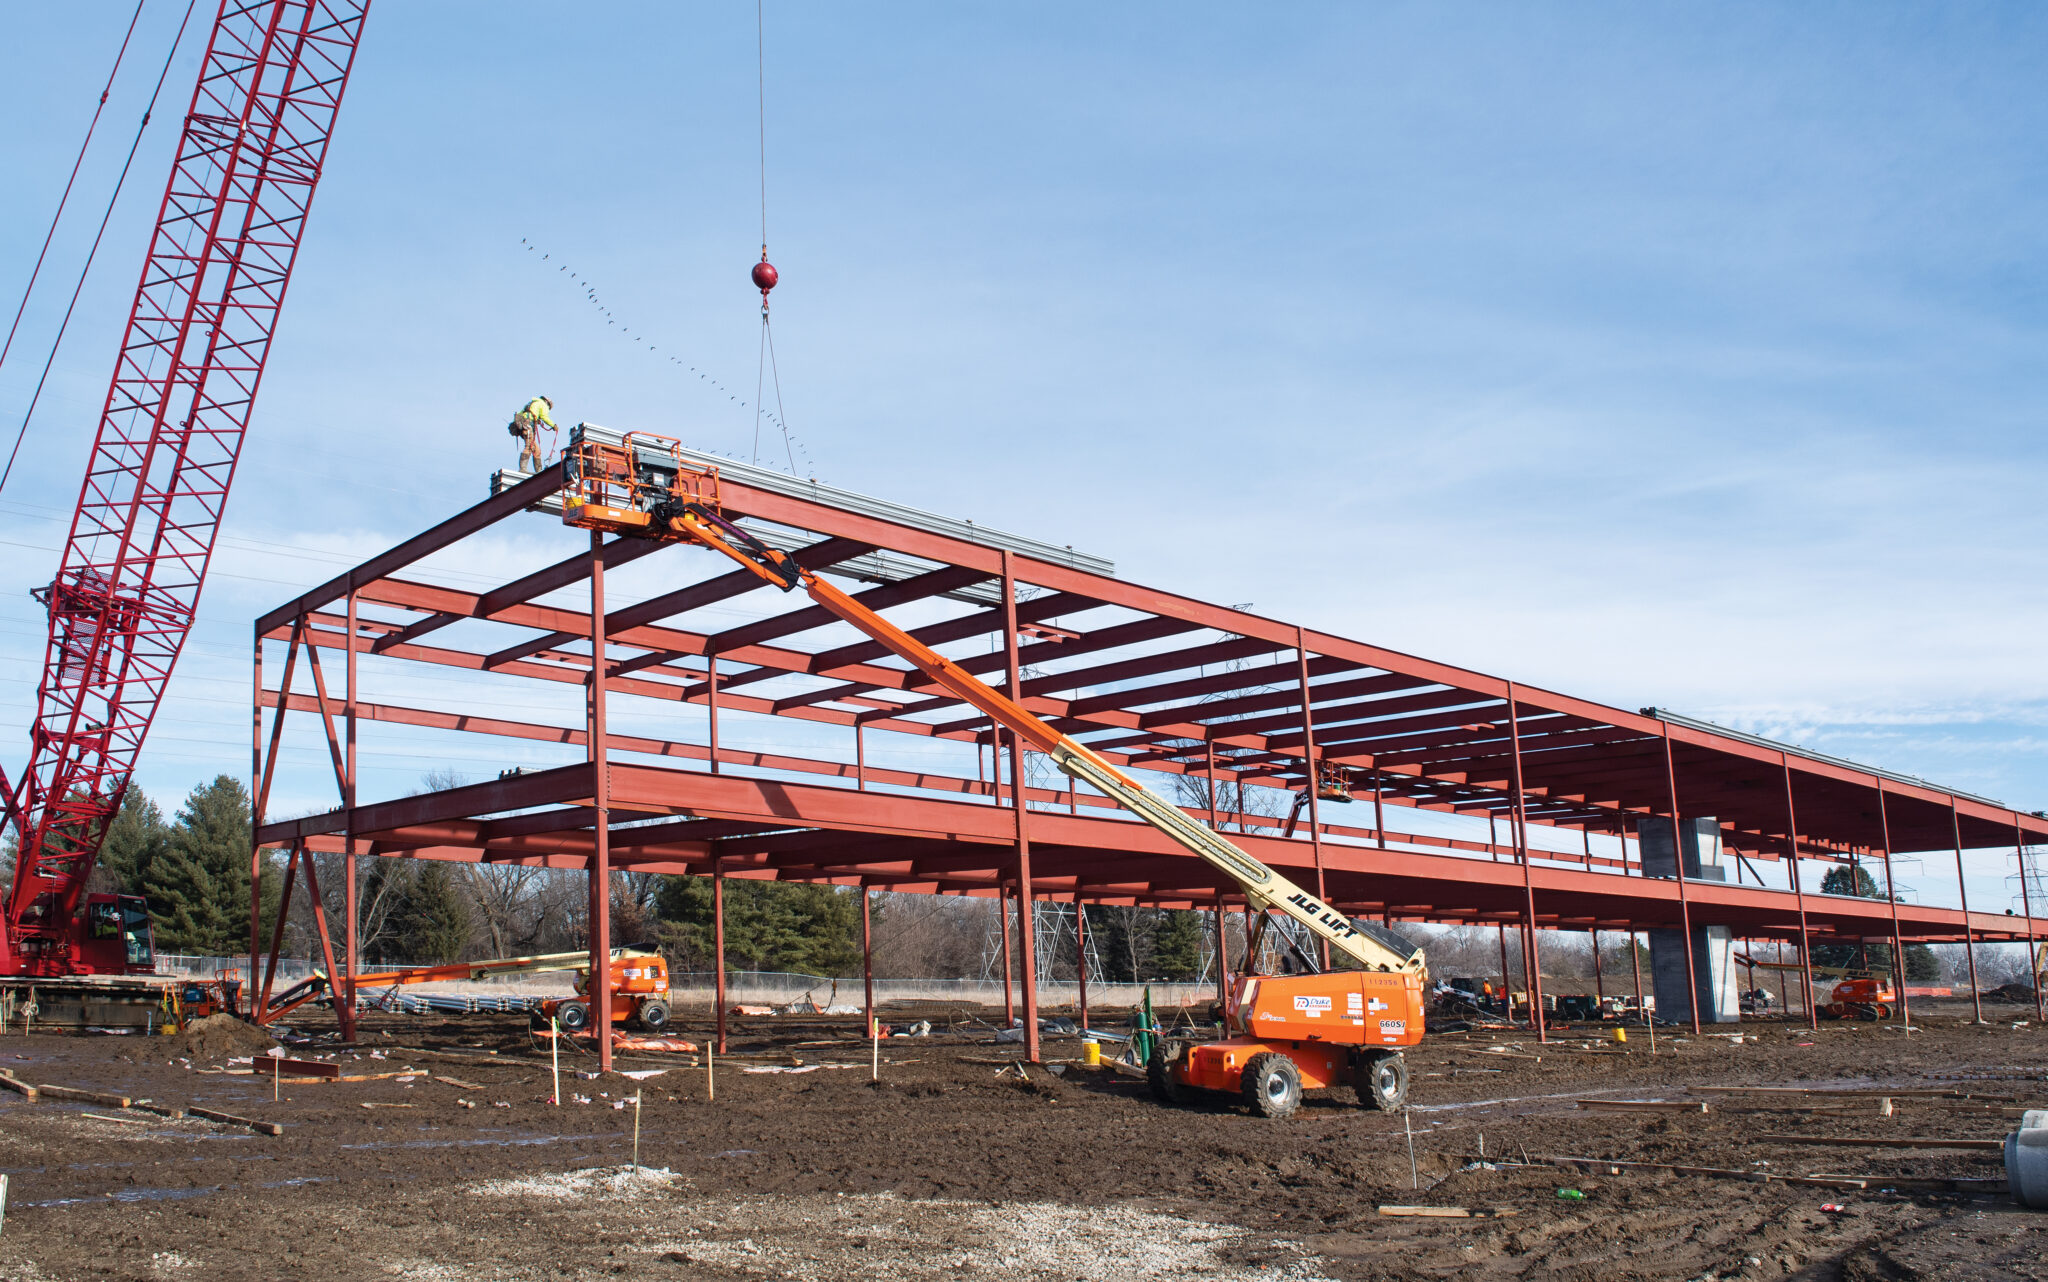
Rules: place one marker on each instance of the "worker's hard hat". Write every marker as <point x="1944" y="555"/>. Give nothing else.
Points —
<point x="550" y="401"/>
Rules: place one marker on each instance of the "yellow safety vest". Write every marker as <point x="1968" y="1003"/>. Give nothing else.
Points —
<point x="538" y="408"/>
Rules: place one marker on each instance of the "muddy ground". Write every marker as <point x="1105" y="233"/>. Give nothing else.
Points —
<point x="950" y="1167"/>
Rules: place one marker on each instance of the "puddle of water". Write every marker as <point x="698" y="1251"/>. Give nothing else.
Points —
<point x="739" y="1152"/>
<point x="511" y="1143"/>
<point x="132" y="1195"/>
<point x="294" y="1183"/>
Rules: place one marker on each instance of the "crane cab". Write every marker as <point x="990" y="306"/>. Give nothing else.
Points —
<point x="114" y="937"/>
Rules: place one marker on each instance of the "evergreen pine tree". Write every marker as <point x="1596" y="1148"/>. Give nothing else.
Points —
<point x="769" y="925"/>
<point x="134" y="840"/>
<point x="1922" y="966"/>
<point x="1177" y="945"/>
<point x="198" y="883"/>
<point x="1921" y="963"/>
<point x="433" y="921"/>
<point x="1106" y="934"/>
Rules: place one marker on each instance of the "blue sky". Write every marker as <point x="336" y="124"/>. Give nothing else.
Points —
<point x="1687" y="357"/>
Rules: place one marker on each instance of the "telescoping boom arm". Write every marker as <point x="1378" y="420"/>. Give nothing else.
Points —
<point x="689" y="512"/>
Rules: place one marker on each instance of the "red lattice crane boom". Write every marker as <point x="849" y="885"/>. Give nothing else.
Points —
<point x="184" y="384"/>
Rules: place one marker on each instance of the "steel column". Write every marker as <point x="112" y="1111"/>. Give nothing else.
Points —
<point x="1635" y="961"/>
<point x="1507" y="980"/>
<point x="1213" y="822"/>
<point x="867" y="951"/>
<point x="1027" y="903"/>
<point x="1534" y="962"/>
<point x="351" y="945"/>
<point x="1308" y="747"/>
<point x="1599" y="985"/>
<point x="1798" y="892"/>
<point x="1692" y="979"/>
<point x="1003" y="921"/>
<point x="1891" y="894"/>
<point x="1081" y="953"/>
<point x="718" y="944"/>
<point x="2019" y="854"/>
<point x="711" y="703"/>
<point x="600" y="873"/>
<point x="1222" y="958"/>
<point x="1955" y="824"/>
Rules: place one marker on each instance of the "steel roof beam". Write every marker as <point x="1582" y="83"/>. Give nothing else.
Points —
<point x="937" y="583"/>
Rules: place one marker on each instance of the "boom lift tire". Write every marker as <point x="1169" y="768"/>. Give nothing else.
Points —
<point x="1272" y="1085"/>
<point x="1159" y="1074"/>
<point x="1381" y="1080"/>
<point x="574" y="1017"/>
<point x="653" y="1015"/>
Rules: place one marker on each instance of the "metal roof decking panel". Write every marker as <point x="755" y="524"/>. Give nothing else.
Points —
<point x="812" y="491"/>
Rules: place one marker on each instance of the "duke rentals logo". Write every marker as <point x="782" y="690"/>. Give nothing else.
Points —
<point x="1312" y="1003"/>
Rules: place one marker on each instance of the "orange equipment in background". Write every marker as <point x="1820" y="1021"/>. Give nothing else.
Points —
<point x="638" y="972"/>
<point x="639" y="994"/>
<point x="1861" y="999"/>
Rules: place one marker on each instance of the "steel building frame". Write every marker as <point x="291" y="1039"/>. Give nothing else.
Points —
<point x="1155" y="681"/>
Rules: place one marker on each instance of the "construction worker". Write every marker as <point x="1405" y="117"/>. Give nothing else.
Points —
<point x="526" y="425"/>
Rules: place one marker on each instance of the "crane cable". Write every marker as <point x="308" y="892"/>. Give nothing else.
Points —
<point x="65" y="199"/>
<point x="105" y="217"/>
<point x="764" y="274"/>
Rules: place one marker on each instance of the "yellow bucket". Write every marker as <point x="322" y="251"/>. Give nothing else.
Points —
<point x="1621" y="1034"/>
<point x="1091" y="1053"/>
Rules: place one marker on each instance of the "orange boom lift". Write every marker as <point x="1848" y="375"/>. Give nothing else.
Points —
<point x="1294" y="1031"/>
<point x="639" y="985"/>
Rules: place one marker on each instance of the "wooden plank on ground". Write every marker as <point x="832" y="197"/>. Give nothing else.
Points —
<point x="1824" y="1092"/>
<point x="19" y="1087"/>
<point x="108" y="1098"/>
<point x="229" y="1119"/>
<point x="1924" y="1183"/>
<point x="459" y="1083"/>
<point x="125" y="1121"/>
<point x="1449" y="1212"/>
<point x="1597" y="1164"/>
<point x="144" y="1106"/>
<point x="1903" y="1142"/>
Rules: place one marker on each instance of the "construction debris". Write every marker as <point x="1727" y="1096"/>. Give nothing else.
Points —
<point x="229" y="1119"/>
<point x="84" y="1097"/>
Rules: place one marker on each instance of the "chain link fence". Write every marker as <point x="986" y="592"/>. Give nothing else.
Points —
<point x="777" y="989"/>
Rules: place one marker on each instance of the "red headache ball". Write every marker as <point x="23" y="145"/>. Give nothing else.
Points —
<point x="764" y="275"/>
